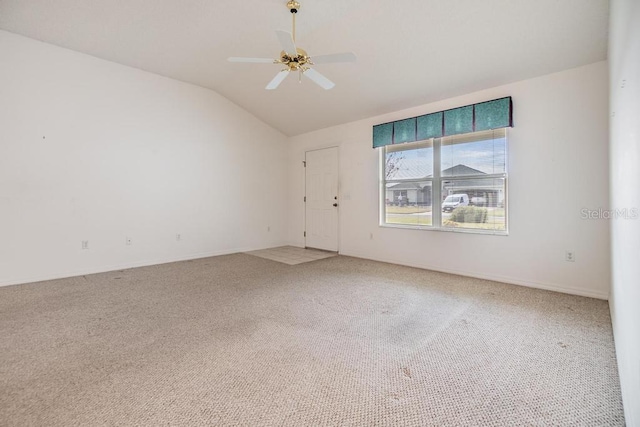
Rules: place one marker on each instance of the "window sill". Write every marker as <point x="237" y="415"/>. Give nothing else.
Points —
<point x="446" y="230"/>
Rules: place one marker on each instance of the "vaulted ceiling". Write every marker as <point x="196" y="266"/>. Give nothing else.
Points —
<point x="410" y="52"/>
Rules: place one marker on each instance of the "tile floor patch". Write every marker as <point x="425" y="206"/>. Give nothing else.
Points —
<point x="292" y="255"/>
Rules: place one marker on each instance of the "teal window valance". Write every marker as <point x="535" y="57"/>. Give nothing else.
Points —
<point x="471" y="118"/>
<point x="404" y="131"/>
<point x="429" y="126"/>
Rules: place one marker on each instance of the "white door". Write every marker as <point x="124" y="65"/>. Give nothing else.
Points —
<point x="321" y="207"/>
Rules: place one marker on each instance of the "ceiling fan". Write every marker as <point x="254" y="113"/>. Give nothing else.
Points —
<point x="296" y="59"/>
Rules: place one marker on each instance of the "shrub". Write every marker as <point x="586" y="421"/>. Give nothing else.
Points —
<point x="469" y="214"/>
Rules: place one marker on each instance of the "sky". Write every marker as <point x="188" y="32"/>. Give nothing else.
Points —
<point x="487" y="156"/>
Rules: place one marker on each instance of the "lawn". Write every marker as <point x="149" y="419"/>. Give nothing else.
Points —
<point x="405" y="215"/>
<point x="410" y="220"/>
<point x="482" y="226"/>
<point x="407" y="209"/>
<point x="496" y="212"/>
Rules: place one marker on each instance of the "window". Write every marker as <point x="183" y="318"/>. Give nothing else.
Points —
<point x="455" y="183"/>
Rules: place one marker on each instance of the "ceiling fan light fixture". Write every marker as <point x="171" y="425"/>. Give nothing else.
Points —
<point x="297" y="59"/>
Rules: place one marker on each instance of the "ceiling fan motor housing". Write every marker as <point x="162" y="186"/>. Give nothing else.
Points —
<point x="295" y="63"/>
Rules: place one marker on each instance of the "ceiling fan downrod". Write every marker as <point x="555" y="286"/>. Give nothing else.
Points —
<point x="293" y="7"/>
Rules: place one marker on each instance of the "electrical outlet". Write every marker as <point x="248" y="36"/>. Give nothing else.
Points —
<point x="85" y="244"/>
<point x="570" y="256"/>
<point x="128" y="241"/>
<point x="178" y="237"/>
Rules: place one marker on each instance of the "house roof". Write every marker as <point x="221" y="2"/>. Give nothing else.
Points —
<point x="406" y="186"/>
<point x="458" y="170"/>
<point x="415" y="168"/>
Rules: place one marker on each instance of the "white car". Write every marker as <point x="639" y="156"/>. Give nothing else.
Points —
<point x="453" y="201"/>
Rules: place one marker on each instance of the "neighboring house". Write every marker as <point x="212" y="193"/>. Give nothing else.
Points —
<point x="419" y="193"/>
<point x="413" y="193"/>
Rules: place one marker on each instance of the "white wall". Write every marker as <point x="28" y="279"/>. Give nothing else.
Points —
<point x="624" y="60"/>
<point x="92" y="150"/>
<point x="559" y="142"/>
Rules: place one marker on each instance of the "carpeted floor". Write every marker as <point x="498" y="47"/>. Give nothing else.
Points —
<point x="241" y="340"/>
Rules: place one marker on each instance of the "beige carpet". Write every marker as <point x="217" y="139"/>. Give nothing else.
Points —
<point x="241" y="340"/>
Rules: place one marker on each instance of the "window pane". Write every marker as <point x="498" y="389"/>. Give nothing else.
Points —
<point x="408" y="203"/>
<point x="474" y="203"/>
<point x="413" y="163"/>
<point x="472" y="183"/>
<point x="475" y="154"/>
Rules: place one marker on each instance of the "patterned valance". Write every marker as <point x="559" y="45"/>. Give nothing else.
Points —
<point x="471" y="118"/>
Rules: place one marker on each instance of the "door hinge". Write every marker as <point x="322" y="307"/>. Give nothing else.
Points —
<point x="304" y="163"/>
<point x="305" y="234"/>
<point x="305" y="198"/>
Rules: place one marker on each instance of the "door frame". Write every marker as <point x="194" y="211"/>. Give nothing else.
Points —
<point x="304" y="180"/>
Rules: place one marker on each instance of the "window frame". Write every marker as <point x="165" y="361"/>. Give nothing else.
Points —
<point x="436" y="186"/>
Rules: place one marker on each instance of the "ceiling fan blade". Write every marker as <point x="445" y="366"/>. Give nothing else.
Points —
<point x="319" y="79"/>
<point x="336" y="57"/>
<point x="256" y="60"/>
<point x="277" y="80"/>
<point x="287" y="43"/>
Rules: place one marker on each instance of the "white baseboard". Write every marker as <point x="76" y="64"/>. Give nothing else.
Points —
<point x="123" y="266"/>
<point x="496" y="278"/>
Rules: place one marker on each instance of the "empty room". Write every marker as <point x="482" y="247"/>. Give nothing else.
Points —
<point x="320" y="213"/>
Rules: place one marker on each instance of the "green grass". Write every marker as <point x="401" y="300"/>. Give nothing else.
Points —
<point x="484" y="226"/>
<point x="408" y="209"/>
<point x="410" y="220"/>
<point x="420" y="220"/>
